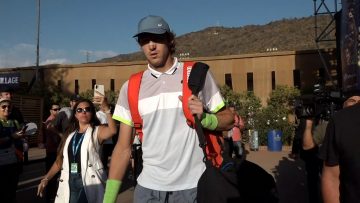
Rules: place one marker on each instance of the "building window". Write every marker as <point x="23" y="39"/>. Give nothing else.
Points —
<point x="112" y="84"/>
<point x="228" y="80"/>
<point x="59" y="85"/>
<point x="273" y="80"/>
<point x="296" y="78"/>
<point x="93" y="83"/>
<point x="76" y="86"/>
<point x="250" y="82"/>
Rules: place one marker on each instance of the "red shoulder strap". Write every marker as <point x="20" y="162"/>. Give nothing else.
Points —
<point x="213" y="147"/>
<point x="187" y="92"/>
<point x="133" y="100"/>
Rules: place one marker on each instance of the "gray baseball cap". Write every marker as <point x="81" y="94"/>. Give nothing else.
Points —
<point x="152" y="24"/>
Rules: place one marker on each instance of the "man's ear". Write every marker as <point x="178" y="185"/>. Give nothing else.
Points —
<point x="171" y="44"/>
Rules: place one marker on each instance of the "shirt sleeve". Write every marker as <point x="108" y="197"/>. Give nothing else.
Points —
<point x="210" y="95"/>
<point x="329" y="151"/>
<point x="319" y="132"/>
<point x="61" y="122"/>
<point x="122" y="110"/>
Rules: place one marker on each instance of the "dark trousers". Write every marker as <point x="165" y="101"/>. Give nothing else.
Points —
<point x="228" y="146"/>
<point x="9" y="178"/>
<point x="297" y="141"/>
<point x="52" y="186"/>
<point x="313" y="167"/>
<point x="77" y="192"/>
<point x="106" y="153"/>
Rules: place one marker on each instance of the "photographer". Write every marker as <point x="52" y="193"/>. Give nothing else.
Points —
<point x="313" y="112"/>
<point x="313" y="137"/>
<point x="340" y="153"/>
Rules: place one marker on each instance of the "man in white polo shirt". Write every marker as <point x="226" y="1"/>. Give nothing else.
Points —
<point x="172" y="158"/>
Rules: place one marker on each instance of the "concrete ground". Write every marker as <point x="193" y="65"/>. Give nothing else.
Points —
<point x="289" y="174"/>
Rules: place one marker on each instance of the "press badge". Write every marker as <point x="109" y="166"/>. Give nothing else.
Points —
<point x="74" y="168"/>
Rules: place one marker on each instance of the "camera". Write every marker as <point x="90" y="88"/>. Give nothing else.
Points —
<point x="322" y="104"/>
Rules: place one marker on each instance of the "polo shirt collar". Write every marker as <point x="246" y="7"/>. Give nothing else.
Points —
<point x="168" y="72"/>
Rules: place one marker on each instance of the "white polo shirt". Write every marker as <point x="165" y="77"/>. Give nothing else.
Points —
<point x="172" y="158"/>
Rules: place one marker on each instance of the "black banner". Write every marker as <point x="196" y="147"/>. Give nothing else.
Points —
<point x="10" y="80"/>
<point x="350" y="45"/>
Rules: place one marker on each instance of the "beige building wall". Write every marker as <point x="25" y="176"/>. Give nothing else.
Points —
<point x="307" y="63"/>
<point x="260" y="65"/>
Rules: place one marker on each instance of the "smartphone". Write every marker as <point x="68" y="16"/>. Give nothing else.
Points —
<point x="99" y="90"/>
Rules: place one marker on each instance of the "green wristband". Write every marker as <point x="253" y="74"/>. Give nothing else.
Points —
<point x="209" y="121"/>
<point x="111" y="190"/>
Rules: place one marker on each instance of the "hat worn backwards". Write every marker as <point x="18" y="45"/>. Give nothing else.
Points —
<point x="153" y="25"/>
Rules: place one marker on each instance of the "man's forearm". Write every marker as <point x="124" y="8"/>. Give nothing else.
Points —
<point x="119" y="162"/>
<point x="308" y="142"/>
<point x="330" y="184"/>
<point x="121" y="153"/>
<point x="225" y="120"/>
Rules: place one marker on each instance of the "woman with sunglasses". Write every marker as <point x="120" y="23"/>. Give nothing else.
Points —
<point x="9" y="133"/>
<point x="82" y="176"/>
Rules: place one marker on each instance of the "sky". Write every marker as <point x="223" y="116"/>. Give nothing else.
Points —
<point x="77" y="31"/>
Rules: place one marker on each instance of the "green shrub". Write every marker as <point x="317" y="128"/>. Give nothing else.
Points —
<point x="275" y="116"/>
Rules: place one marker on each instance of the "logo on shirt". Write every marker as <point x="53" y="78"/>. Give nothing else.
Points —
<point x="188" y="70"/>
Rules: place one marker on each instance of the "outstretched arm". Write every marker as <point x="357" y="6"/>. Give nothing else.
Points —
<point x="55" y="168"/>
<point x="105" y="132"/>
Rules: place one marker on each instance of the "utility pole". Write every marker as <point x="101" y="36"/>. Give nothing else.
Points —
<point x="87" y="56"/>
<point x="38" y="34"/>
<point x="37" y="48"/>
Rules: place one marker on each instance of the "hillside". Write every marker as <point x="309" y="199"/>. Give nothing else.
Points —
<point x="284" y="35"/>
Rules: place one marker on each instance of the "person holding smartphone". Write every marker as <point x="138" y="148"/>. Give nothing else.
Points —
<point x="82" y="175"/>
<point x="10" y="132"/>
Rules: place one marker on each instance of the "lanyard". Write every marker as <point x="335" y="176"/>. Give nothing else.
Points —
<point x="76" y="148"/>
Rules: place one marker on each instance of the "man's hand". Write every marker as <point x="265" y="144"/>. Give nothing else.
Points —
<point x="196" y="106"/>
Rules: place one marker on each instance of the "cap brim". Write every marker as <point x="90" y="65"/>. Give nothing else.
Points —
<point x="157" y="31"/>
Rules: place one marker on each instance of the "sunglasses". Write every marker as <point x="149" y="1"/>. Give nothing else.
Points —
<point x="84" y="110"/>
<point x="145" y="39"/>
<point x="56" y="109"/>
<point x="5" y="106"/>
